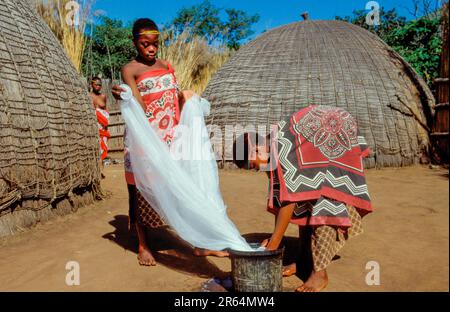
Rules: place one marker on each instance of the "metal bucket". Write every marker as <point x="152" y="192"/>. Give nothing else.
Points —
<point x="259" y="271"/>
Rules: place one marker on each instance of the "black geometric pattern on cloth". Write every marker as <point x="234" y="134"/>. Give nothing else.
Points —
<point x="330" y="208"/>
<point x="309" y="179"/>
<point x="322" y="207"/>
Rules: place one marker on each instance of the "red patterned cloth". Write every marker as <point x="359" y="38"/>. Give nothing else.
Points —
<point x="159" y="91"/>
<point x="103" y="122"/>
<point x="318" y="153"/>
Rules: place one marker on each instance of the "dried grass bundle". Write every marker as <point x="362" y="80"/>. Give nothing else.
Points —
<point x="194" y="60"/>
<point x="68" y="19"/>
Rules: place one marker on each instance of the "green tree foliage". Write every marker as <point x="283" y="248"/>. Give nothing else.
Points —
<point x="418" y="41"/>
<point x="389" y="20"/>
<point x="204" y="20"/>
<point x="108" y="49"/>
<point x="238" y="27"/>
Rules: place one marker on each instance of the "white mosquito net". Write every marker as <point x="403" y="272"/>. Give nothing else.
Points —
<point x="181" y="182"/>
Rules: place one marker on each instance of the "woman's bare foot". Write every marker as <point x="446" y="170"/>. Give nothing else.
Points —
<point x="200" y="252"/>
<point x="145" y="257"/>
<point x="289" y="270"/>
<point x="315" y="283"/>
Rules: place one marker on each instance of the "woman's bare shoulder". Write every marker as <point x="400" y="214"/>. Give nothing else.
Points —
<point x="130" y="68"/>
<point x="164" y="63"/>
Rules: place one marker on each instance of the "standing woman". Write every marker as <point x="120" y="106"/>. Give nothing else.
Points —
<point x="155" y="87"/>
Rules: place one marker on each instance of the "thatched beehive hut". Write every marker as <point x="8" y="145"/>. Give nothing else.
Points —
<point x="326" y="63"/>
<point x="48" y="135"/>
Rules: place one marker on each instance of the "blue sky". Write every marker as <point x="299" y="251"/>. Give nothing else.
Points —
<point x="272" y="12"/>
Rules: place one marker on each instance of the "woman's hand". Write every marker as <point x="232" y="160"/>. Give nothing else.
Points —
<point x="183" y="96"/>
<point x="187" y="94"/>
<point x="116" y="91"/>
<point x="265" y="242"/>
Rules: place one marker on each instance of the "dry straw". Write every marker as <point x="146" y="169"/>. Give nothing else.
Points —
<point x="194" y="59"/>
<point x="68" y="19"/>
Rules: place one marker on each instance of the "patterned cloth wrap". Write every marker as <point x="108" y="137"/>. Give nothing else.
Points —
<point x="103" y="122"/>
<point x="318" y="156"/>
<point x="159" y="91"/>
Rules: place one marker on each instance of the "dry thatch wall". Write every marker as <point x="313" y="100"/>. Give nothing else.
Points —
<point x="48" y="133"/>
<point x="326" y="63"/>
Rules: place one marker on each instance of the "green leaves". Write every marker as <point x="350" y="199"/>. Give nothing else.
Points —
<point x="108" y="49"/>
<point x="417" y="41"/>
<point x="420" y="43"/>
<point x="204" y="21"/>
<point x="238" y="27"/>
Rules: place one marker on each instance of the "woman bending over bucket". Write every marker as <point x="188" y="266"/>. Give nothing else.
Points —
<point x="314" y="163"/>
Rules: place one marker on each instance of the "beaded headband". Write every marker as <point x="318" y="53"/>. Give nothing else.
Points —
<point x="146" y="32"/>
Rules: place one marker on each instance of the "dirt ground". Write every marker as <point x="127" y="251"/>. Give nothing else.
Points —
<point x="407" y="235"/>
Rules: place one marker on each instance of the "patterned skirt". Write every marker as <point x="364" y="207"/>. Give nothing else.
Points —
<point x="326" y="241"/>
<point x="141" y="212"/>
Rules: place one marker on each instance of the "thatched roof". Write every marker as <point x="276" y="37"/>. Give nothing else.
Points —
<point x="48" y="133"/>
<point x="327" y="63"/>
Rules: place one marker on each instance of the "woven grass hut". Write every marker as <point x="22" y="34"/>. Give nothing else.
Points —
<point x="48" y="134"/>
<point x="326" y="63"/>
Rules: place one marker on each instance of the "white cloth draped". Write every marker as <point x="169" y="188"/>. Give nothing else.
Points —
<point x="181" y="182"/>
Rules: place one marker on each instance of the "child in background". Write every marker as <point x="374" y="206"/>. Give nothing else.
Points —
<point x="99" y="102"/>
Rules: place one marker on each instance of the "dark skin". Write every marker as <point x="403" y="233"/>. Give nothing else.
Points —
<point x="317" y="281"/>
<point x="147" y="48"/>
<point x="98" y="98"/>
<point x="98" y="101"/>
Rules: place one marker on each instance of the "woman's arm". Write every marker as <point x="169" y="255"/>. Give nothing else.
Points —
<point x="282" y="222"/>
<point x="128" y="78"/>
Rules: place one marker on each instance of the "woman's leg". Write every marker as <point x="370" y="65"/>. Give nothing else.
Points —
<point x="145" y="257"/>
<point x="325" y="243"/>
<point x="303" y="260"/>
<point x="132" y="207"/>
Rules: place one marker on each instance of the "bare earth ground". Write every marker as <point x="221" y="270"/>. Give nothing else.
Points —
<point x="407" y="235"/>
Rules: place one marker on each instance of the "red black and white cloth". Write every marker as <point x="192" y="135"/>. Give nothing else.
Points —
<point x="318" y="165"/>
<point x="103" y="122"/>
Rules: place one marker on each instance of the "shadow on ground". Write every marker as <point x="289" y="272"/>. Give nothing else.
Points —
<point x="174" y="253"/>
<point x="168" y="249"/>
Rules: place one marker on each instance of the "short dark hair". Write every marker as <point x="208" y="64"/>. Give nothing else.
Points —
<point x="241" y="148"/>
<point x="143" y="24"/>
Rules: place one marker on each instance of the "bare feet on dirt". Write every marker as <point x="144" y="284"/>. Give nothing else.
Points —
<point x="200" y="252"/>
<point x="315" y="283"/>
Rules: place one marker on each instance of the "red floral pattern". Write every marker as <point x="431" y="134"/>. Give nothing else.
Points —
<point x="159" y="91"/>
